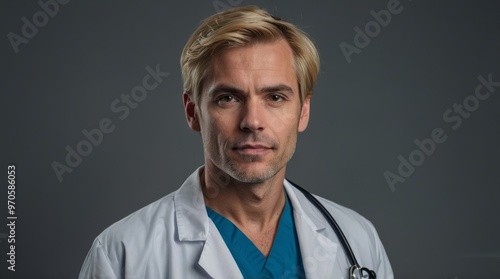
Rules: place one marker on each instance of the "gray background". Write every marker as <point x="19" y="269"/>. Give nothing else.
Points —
<point x="441" y="222"/>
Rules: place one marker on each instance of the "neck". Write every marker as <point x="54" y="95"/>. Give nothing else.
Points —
<point x="250" y="206"/>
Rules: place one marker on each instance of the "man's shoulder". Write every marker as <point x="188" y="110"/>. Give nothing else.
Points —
<point x="342" y="212"/>
<point x="353" y="224"/>
<point x="343" y="215"/>
<point x="154" y="216"/>
<point x="157" y="219"/>
<point x="350" y="221"/>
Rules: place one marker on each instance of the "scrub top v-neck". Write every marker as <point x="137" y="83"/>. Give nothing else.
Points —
<point x="284" y="260"/>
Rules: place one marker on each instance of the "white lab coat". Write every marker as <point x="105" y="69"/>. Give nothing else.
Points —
<point x="174" y="238"/>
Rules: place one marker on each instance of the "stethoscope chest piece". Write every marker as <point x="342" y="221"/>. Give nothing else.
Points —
<point x="357" y="272"/>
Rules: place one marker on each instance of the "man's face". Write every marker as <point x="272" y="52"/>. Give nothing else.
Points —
<point x="249" y="112"/>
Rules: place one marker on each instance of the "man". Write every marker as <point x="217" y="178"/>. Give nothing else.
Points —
<point x="248" y="80"/>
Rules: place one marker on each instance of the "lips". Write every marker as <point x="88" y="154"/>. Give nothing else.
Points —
<point x="252" y="149"/>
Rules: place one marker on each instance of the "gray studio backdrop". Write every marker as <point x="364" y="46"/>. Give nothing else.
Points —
<point x="404" y="125"/>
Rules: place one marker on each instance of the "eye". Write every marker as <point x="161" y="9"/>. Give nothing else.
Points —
<point x="224" y="99"/>
<point x="276" y="98"/>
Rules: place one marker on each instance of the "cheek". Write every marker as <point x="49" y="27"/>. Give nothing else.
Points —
<point x="215" y="129"/>
<point x="286" y="122"/>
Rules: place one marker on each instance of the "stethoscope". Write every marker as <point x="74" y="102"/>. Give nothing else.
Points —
<point x="355" y="271"/>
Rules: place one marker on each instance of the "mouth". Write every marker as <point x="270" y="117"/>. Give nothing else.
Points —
<point x="252" y="149"/>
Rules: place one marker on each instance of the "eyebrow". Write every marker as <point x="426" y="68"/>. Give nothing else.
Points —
<point x="222" y="88"/>
<point x="225" y="89"/>
<point x="277" y="88"/>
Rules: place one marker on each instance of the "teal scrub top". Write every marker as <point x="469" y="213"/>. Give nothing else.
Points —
<point x="284" y="260"/>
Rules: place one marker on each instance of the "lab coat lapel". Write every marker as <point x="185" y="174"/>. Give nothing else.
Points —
<point x="216" y="259"/>
<point x="319" y="252"/>
<point x="193" y="224"/>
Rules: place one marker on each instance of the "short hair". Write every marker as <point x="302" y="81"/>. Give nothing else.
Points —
<point x="242" y="26"/>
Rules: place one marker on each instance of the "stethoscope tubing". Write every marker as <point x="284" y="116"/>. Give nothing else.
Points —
<point x="336" y="228"/>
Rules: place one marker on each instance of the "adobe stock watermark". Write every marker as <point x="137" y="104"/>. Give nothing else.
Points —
<point x="454" y="117"/>
<point x="363" y="37"/>
<point x="29" y="29"/>
<point x="222" y="5"/>
<point x="121" y="107"/>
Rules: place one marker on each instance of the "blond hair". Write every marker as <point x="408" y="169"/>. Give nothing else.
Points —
<point x="239" y="27"/>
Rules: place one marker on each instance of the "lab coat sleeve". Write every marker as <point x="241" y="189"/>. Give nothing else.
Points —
<point x="97" y="264"/>
<point x="384" y="269"/>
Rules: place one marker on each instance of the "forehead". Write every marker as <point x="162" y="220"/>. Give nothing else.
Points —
<point x="261" y="60"/>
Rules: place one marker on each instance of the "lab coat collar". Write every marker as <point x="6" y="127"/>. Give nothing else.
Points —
<point x="318" y="249"/>
<point x="193" y="225"/>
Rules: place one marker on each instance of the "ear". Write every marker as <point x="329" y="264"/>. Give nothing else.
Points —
<point x="304" y="113"/>
<point x="190" y="110"/>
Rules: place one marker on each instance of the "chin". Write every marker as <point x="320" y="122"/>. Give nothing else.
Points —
<point x="252" y="173"/>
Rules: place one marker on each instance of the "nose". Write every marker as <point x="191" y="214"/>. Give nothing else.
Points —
<point x="252" y="118"/>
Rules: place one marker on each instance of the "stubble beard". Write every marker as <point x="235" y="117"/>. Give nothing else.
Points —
<point x="230" y="167"/>
<point x="255" y="176"/>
